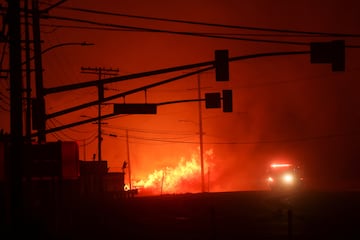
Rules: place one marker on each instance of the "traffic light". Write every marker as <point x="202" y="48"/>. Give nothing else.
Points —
<point x="213" y="100"/>
<point x="338" y="63"/>
<point x="222" y="65"/>
<point x="329" y="52"/>
<point x="227" y="101"/>
<point x="135" y="108"/>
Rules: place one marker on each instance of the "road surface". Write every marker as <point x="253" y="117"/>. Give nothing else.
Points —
<point x="221" y="215"/>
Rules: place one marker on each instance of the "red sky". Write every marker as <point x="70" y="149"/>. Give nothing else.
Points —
<point x="284" y="107"/>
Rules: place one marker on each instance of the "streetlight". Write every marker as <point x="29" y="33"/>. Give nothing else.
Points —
<point x="59" y="45"/>
<point x="67" y="44"/>
<point x="40" y="101"/>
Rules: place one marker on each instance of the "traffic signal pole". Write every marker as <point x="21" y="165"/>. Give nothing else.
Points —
<point x="28" y="73"/>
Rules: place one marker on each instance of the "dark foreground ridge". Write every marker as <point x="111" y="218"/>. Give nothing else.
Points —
<point x="224" y="215"/>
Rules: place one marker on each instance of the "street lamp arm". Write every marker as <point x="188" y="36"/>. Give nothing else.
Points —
<point x="46" y="10"/>
<point x="60" y="45"/>
<point x="67" y="44"/>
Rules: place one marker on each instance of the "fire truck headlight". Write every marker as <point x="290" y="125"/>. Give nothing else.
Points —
<point x="288" y="178"/>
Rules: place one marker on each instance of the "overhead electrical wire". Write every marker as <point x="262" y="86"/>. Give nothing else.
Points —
<point x="115" y="29"/>
<point x="194" y="34"/>
<point x="332" y="34"/>
<point x="4" y="108"/>
<point x="52" y="121"/>
<point x="288" y="140"/>
<point x="4" y="98"/>
<point x="70" y="129"/>
<point x="154" y="30"/>
<point x="89" y="141"/>
<point x="150" y="131"/>
<point x="56" y="136"/>
<point x="198" y="34"/>
<point x="61" y="132"/>
<point x="147" y="138"/>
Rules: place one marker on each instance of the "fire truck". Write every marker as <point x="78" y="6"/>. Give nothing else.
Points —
<point x="284" y="177"/>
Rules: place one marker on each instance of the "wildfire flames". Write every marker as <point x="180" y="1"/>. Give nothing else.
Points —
<point x="182" y="178"/>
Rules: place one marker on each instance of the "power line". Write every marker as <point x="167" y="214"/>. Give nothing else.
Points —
<point x="199" y="34"/>
<point x="56" y="26"/>
<point x="62" y="132"/>
<point x="5" y="98"/>
<point x="194" y="34"/>
<point x="148" y="138"/>
<point x="332" y="34"/>
<point x="4" y="108"/>
<point x="70" y="129"/>
<point x="288" y="140"/>
<point x="52" y="121"/>
<point x="89" y="142"/>
<point x="165" y="132"/>
<point x="56" y="136"/>
<point x="116" y="29"/>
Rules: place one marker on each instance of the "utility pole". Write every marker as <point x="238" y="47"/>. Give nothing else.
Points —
<point x="201" y="137"/>
<point x="39" y="103"/>
<point x="100" y="72"/>
<point x="128" y="157"/>
<point x="28" y="74"/>
<point x="15" y="164"/>
<point x="84" y="149"/>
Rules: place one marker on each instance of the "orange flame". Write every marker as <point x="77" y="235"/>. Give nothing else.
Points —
<point x="184" y="177"/>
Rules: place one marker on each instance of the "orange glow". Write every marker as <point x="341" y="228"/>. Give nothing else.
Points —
<point x="184" y="177"/>
<point x="276" y="165"/>
<point x="285" y="109"/>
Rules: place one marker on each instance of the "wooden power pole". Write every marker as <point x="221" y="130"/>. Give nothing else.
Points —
<point x="39" y="102"/>
<point x="100" y="72"/>
<point x="15" y="164"/>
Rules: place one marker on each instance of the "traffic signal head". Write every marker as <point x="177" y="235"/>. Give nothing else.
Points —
<point x="222" y="65"/>
<point x="227" y="101"/>
<point x="212" y="100"/>
<point x="338" y="63"/>
<point x="329" y="52"/>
